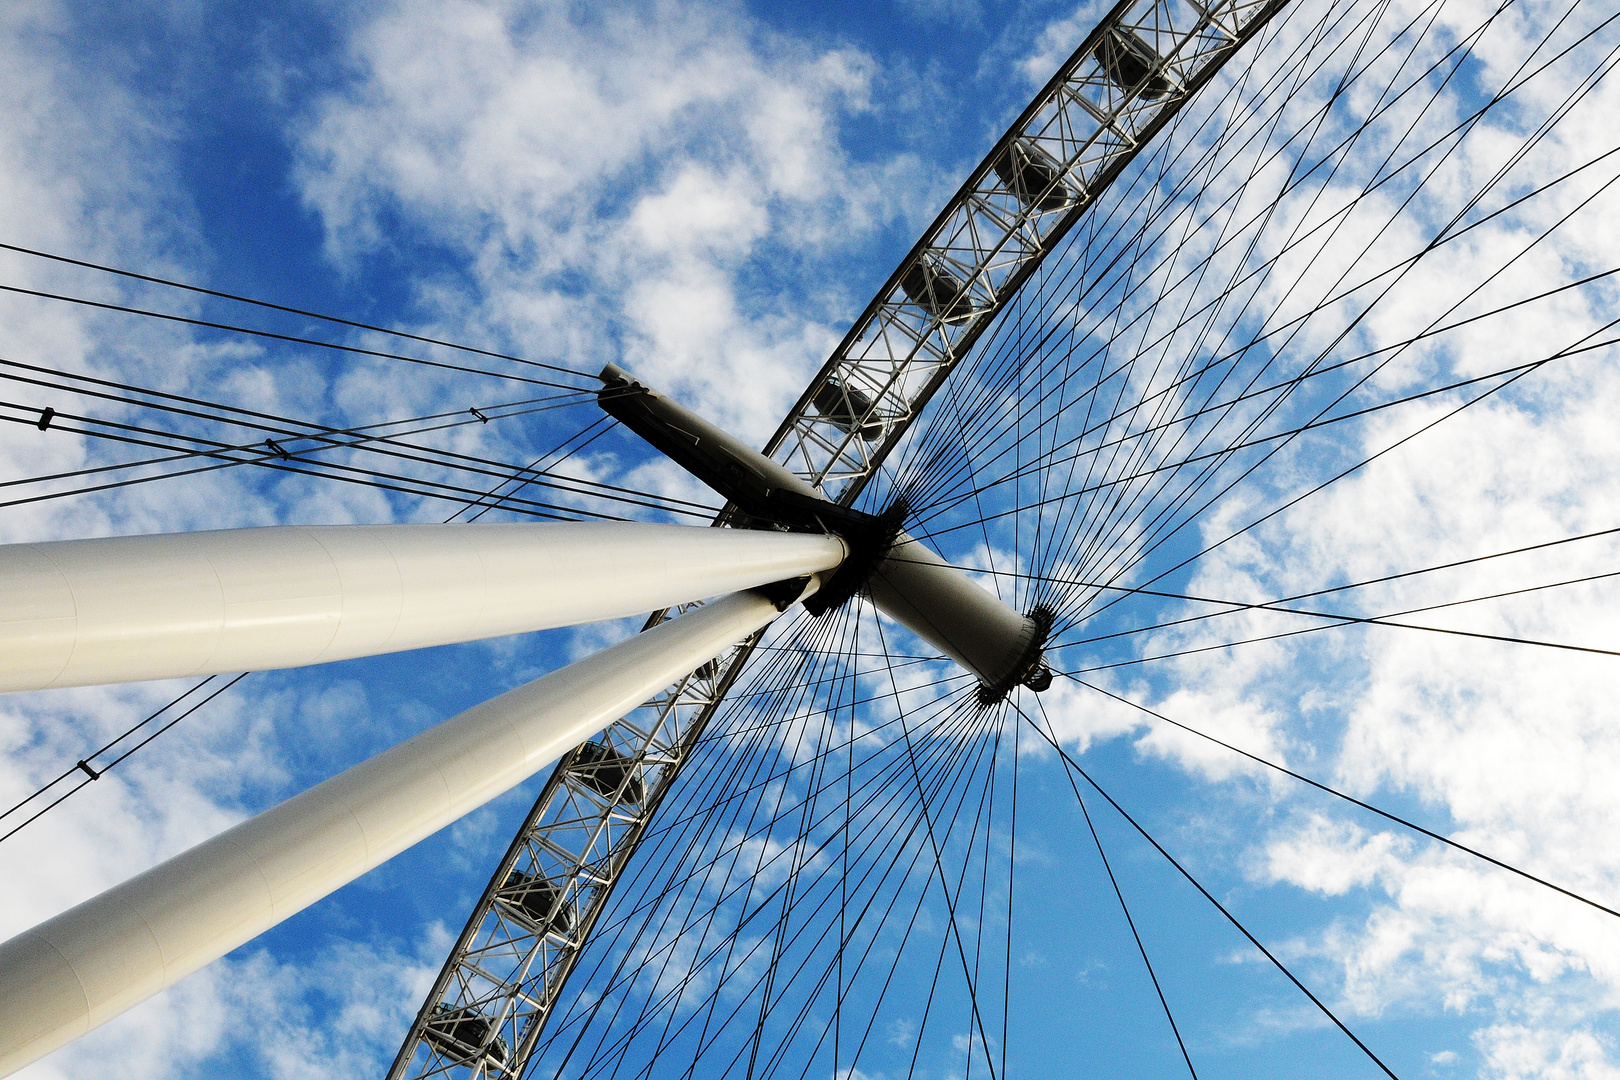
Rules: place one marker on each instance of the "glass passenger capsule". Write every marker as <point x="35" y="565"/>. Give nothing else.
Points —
<point x="848" y="408"/>
<point x="603" y="769"/>
<point x="938" y="290"/>
<point x="1033" y="178"/>
<point x="467" y="1036"/>
<point x="531" y="899"/>
<point x="1128" y="60"/>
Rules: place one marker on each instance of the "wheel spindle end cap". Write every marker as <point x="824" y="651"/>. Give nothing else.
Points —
<point x="1040" y="678"/>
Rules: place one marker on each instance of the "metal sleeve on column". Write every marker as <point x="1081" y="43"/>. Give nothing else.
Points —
<point x="151" y="607"/>
<point x="87" y="965"/>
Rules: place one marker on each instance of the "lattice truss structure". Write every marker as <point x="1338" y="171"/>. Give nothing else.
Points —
<point x="1105" y="103"/>
<point x="489" y="1005"/>
<point x="490" y="1001"/>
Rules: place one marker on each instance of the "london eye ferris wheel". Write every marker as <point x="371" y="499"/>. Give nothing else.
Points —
<point x="1172" y="630"/>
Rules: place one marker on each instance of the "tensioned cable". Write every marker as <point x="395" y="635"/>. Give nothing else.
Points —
<point x="296" y="429"/>
<point x="1345" y="620"/>
<point x="1119" y="894"/>
<point x="1211" y="150"/>
<point x="1499" y="271"/>
<point x="290" y="338"/>
<point x="891" y="815"/>
<point x="1236" y="606"/>
<point x="92" y="774"/>
<point x="756" y="909"/>
<point x="280" y="457"/>
<point x="292" y="310"/>
<point x="1431" y="834"/>
<point x="1071" y="764"/>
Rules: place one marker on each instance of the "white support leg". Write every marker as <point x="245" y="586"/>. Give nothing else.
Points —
<point x="87" y="965"/>
<point x="78" y="612"/>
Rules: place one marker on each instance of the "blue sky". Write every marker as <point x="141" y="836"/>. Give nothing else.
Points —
<point x="707" y="194"/>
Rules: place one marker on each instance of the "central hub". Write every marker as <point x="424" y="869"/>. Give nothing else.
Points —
<point x="904" y="578"/>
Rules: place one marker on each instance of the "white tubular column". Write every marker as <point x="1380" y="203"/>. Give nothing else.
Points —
<point x="154" y="607"/>
<point x="87" y="965"/>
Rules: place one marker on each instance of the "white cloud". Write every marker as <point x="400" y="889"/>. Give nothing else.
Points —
<point x="1507" y="746"/>
<point x="626" y="211"/>
<point x="635" y="185"/>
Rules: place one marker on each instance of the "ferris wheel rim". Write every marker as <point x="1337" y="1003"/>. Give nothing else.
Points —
<point x="809" y="399"/>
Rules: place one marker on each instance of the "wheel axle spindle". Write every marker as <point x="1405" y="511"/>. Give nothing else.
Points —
<point x="903" y="577"/>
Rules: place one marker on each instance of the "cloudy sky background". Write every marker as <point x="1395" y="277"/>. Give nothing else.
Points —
<point x="707" y="194"/>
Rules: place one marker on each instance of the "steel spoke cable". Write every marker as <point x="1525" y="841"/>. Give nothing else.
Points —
<point x="788" y="771"/>
<point x="1234" y="607"/>
<point x="982" y="739"/>
<point x="691" y="918"/>
<point x="780" y="670"/>
<point x="1396" y="818"/>
<point x="1012" y="854"/>
<point x="1042" y="466"/>
<point x="1240" y="605"/>
<point x="1185" y="183"/>
<point x="983" y="813"/>
<point x="1511" y="261"/>
<point x="745" y="838"/>
<point x="1352" y="620"/>
<point x="1075" y="766"/>
<point x="1257" y="464"/>
<point x="761" y="906"/>
<point x="918" y="858"/>
<point x="1206" y="436"/>
<point x="1077" y="493"/>
<point x="939" y="866"/>
<point x="713" y="806"/>
<point x="1403" y="440"/>
<point x="292" y="310"/>
<point x="1141" y="948"/>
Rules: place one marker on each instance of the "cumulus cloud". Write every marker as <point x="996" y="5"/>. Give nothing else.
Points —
<point x="639" y="185"/>
<point x="1508" y="746"/>
<point x="668" y="213"/>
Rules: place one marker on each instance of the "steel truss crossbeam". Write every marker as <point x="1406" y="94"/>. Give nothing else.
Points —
<point x="489" y="1006"/>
